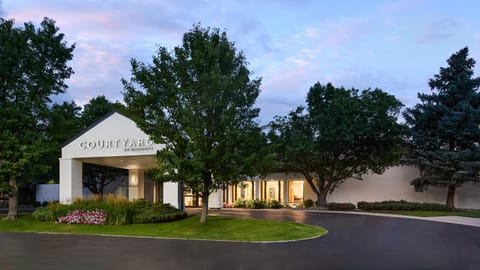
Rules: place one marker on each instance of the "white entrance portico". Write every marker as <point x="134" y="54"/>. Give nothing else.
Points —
<point x="115" y="141"/>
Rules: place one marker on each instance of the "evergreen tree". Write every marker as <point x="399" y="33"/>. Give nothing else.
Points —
<point x="445" y="133"/>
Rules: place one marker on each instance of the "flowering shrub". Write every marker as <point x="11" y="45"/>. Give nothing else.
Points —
<point x="94" y="217"/>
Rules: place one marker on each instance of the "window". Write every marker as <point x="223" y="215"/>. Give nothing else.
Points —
<point x="245" y="191"/>
<point x="295" y="191"/>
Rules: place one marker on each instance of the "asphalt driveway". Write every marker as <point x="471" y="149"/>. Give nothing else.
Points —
<point x="353" y="242"/>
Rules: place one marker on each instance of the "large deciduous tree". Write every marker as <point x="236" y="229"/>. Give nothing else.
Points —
<point x="198" y="102"/>
<point x="344" y="134"/>
<point x="33" y="66"/>
<point x="445" y="132"/>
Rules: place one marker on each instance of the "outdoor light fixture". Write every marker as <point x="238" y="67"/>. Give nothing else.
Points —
<point x="133" y="180"/>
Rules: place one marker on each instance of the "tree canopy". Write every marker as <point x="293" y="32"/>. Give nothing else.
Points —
<point x="97" y="177"/>
<point x="62" y="123"/>
<point x="198" y="101"/>
<point x="343" y="134"/>
<point x="445" y="133"/>
<point x="33" y="66"/>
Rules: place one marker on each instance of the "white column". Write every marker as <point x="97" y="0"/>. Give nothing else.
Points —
<point x="70" y="180"/>
<point x="215" y="199"/>
<point x="285" y="190"/>
<point x="257" y="189"/>
<point x="171" y="194"/>
<point x="136" y="184"/>
<point x="155" y="192"/>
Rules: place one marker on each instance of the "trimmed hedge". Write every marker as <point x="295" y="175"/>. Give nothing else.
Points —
<point x="341" y="206"/>
<point x="257" y="204"/>
<point x="118" y="211"/>
<point x="401" y="205"/>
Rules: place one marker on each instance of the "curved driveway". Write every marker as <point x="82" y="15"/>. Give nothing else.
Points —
<point x="353" y="242"/>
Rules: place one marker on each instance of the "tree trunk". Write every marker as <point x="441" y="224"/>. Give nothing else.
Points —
<point x="12" y="200"/>
<point x="101" y="193"/>
<point x="322" y="199"/>
<point x="451" y="197"/>
<point x="203" y="217"/>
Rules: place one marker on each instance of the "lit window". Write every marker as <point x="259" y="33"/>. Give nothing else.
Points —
<point x="295" y="191"/>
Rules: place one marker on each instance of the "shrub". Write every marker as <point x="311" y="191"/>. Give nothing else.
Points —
<point x="274" y="204"/>
<point x="308" y="203"/>
<point x="158" y="213"/>
<point x="401" y="205"/>
<point x="257" y="204"/>
<point x="341" y="206"/>
<point x="240" y="204"/>
<point x="43" y="214"/>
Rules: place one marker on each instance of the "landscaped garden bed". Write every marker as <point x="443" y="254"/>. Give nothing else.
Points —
<point x="111" y="210"/>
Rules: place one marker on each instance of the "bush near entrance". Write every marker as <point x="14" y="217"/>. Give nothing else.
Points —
<point x="257" y="204"/>
<point x="119" y="211"/>
<point x="308" y="203"/>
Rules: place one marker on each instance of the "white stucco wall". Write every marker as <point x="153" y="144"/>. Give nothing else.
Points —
<point x="47" y="193"/>
<point x="171" y="194"/>
<point x="394" y="184"/>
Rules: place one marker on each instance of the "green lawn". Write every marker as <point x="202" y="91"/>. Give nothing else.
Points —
<point x="472" y="214"/>
<point x="216" y="228"/>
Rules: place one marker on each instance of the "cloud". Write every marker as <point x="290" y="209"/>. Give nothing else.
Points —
<point x="399" y="6"/>
<point x="439" y="30"/>
<point x="2" y="12"/>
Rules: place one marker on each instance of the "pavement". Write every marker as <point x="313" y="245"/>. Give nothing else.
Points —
<point x="21" y="210"/>
<point x="353" y="241"/>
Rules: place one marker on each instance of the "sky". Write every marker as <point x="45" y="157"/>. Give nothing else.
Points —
<point x="396" y="46"/>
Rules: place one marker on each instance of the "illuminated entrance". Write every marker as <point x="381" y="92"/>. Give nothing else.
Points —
<point x="114" y="141"/>
<point x="286" y="191"/>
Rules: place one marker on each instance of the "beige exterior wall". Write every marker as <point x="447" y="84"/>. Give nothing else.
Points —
<point x="394" y="184"/>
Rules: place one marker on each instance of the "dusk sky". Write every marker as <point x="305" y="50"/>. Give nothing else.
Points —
<point x="393" y="45"/>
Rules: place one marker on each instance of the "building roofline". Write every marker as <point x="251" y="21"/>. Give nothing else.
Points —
<point x="94" y="124"/>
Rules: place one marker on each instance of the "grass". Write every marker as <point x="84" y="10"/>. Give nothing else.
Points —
<point x="216" y="228"/>
<point x="471" y="214"/>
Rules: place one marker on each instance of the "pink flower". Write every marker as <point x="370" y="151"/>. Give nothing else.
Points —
<point x="93" y="217"/>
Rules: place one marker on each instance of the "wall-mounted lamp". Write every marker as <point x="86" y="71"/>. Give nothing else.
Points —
<point x="133" y="180"/>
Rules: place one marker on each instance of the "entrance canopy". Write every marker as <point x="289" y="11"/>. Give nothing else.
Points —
<point x="115" y="141"/>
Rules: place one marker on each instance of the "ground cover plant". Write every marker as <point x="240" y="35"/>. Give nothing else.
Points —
<point x="218" y="228"/>
<point x="95" y="217"/>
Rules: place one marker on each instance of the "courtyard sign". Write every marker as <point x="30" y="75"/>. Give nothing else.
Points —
<point x="127" y="144"/>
